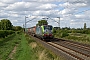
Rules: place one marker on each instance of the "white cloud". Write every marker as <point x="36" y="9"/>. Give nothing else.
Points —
<point x="28" y="6"/>
<point x="42" y="1"/>
<point x="8" y="1"/>
<point x="2" y="4"/>
<point x="67" y="10"/>
<point x="77" y="1"/>
<point x="80" y="16"/>
<point x="47" y="6"/>
<point x="4" y="15"/>
<point x="72" y="6"/>
<point x="18" y="6"/>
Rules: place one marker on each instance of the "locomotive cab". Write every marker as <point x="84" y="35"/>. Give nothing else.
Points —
<point x="48" y="31"/>
<point x="44" y="32"/>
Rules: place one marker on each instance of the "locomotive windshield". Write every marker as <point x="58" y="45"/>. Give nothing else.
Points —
<point x="48" y="27"/>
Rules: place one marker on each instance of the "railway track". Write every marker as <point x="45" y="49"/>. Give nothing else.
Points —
<point x="68" y="49"/>
<point x="71" y="52"/>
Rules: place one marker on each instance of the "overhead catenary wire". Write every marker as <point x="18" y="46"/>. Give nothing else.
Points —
<point x="32" y="19"/>
<point x="82" y="11"/>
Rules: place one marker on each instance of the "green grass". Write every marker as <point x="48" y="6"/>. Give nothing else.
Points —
<point x="41" y="53"/>
<point x="6" y="46"/>
<point x="82" y="38"/>
<point x="24" y="52"/>
<point x="28" y="49"/>
<point x="78" y="37"/>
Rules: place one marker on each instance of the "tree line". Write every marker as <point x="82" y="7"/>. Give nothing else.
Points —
<point x="6" y="28"/>
<point x="6" y="24"/>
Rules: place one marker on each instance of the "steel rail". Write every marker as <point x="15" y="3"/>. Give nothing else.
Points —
<point x="67" y="52"/>
<point x="72" y="52"/>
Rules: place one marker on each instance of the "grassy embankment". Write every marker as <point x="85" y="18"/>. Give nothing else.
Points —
<point x="6" y="46"/>
<point x="28" y="49"/>
<point x="78" y="37"/>
<point x="82" y="38"/>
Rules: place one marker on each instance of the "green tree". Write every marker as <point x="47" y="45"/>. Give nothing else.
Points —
<point x="42" y="22"/>
<point x="17" y="28"/>
<point x="5" y="24"/>
<point x="84" y="26"/>
<point x="0" y="25"/>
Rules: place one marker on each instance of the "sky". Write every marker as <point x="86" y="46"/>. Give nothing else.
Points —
<point x="72" y="13"/>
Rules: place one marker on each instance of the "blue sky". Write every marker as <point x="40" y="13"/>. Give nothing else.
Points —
<point x="68" y="11"/>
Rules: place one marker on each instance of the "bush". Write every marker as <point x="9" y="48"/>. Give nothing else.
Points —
<point x="86" y="32"/>
<point x="64" y="34"/>
<point x="54" y="30"/>
<point x="2" y="34"/>
<point x="18" y="32"/>
<point x="5" y="33"/>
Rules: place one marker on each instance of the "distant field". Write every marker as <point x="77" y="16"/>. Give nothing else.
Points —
<point x="78" y="36"/>
<point x="82" y="38"/>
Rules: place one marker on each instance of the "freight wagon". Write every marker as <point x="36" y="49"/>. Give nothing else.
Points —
<point x="32" y="31"/>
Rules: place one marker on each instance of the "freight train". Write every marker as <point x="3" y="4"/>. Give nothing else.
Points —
<point x="43" y="32"/>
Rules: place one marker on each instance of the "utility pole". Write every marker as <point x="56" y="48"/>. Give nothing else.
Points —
<point x="23" y="28"/>
<point x="28" y="21"/>
<point x="59" y="22"/>
<point x="25" y="23"/>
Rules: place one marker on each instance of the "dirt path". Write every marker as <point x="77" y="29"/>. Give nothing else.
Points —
<point x="10" y="56"/>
